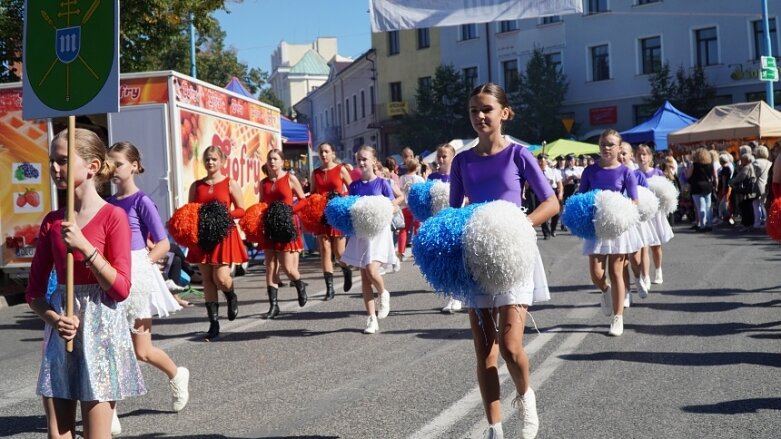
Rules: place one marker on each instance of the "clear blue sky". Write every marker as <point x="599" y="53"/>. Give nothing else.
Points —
<point x="256" y="27"/>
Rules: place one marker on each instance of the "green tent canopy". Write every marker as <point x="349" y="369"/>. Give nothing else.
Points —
<point x="562" y="147"/>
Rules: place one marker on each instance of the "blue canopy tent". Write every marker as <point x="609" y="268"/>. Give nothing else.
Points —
<point x="666" y="120"/>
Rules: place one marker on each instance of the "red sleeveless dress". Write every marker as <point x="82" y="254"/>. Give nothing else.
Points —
<point x="231" y="250"/>
<point x="325" y="182"/>
<point x="281" y="191"/>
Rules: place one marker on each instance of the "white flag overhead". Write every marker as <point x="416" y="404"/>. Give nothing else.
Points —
<point x="388" y="15"/>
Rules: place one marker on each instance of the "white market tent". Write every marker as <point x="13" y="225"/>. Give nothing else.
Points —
<point x="748" y="120"/>
<point x="464" y="144"/>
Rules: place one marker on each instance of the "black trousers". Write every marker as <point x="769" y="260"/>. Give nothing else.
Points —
<point x="178" y="264"/>
<point x="548" y="227"/>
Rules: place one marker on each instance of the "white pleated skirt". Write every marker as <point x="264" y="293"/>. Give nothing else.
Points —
<point x="149" y="296"/>
<point x="361" y="251"/>
<point x="647" y="233"/>
<point x="626" y="243"/>
<point x="530" y="291"/>
<point x="662" y="230"/>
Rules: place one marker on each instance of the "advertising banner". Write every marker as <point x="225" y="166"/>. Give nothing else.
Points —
<point x="244" y="145"/>
<point x="140" y="91"/>
<point x="25" y="189"/>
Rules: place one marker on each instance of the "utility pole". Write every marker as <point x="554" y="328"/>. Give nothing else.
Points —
<point x="193" y="68"/>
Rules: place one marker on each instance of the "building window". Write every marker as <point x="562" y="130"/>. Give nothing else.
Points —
<point x="424" y="40"/>
<point x="647" y="2"/>
<point x="551" y="19"/>
<point x="597" y="6"/>
<point x="470" y="77"/>
<point x="363" y="104"/>
<point x="707" y="46"/>
<point x="555" y="59"/>
<point x="393" y="42"/>
<point x="651" y="55"/>
<point x="424" y="83"/>
<point x="468" y="31"/>
<point x="759" y="38"/>
<point x="332" y="116"/>
<point x="339" y="113"/>
<point x="643" y="112"/>
<point x="395" y="91"/>
<point x="355" y="108"/>
<point x="371" y="99"/>
<point x="600" y="63"/>
<point x="346" y="111"/>
<point x="510" y="70"/>
<point x="508" y="25"/>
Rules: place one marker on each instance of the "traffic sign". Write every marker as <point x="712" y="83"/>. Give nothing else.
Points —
<point x="71" y="58"/>
<point x="769" y="69"/>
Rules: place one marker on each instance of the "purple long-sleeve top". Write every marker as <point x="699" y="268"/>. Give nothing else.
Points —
<point x="654" y="172"/>
<point x="439" y="176"/>
<point x="143" y="217"/>
<point x="496" y="177"/>
<point x="378" y="186"/>
<point x="640" y="176"/>
<point x="618" y="179"/>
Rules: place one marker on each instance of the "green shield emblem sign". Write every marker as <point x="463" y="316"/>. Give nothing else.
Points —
<point x="70" y="48"/>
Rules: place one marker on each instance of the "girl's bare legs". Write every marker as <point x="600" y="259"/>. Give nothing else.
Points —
<point x="656" y="252"/>
<point x="96" y="417"/>
<point x="148" y="352"/>
<point x="209" y="288"/>
<point x="645" y="262"/>
<point x="337" y="245"/>
<point x="61" y="418"/>
<point x="272" y="267"/>
<point x="596" y="267"/>
<point x="487" y="355"/>
<point x="221" y="278"/>
<point x="289" y="263"/>
<point x="366" y="291"/>
<point x="373" y="272"/>
<point x="324" y="244"/>
<point x="615" y="271"/>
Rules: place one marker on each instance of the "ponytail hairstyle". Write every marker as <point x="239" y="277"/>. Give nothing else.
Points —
<point x="89" y="147"/>
<point x="130" y="151"/>
<point x="497" y="92"/>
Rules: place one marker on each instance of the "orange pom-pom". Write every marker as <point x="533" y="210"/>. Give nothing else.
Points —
<point x="774" y="220"/>
<point x="312" y="214"/>
<point x="252" y="222"/>
<point x="183" y="225"/>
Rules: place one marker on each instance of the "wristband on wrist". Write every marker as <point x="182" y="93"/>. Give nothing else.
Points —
<point x="91" y="257"/>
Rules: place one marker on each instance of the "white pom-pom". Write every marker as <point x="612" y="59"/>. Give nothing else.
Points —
<point x="614" y="215"/>
<point x="666" y="192"/>
<point x="647" y="203"/>
<point x="440" y="196"/>
<point x="500" y="246"/>
<point x="371" y="215"/>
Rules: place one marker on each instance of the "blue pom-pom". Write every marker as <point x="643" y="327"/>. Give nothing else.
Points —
<point x="337" y="212"/>
<point x="439" y="253"/>
<point x="578" y="215"/>
<point x="419" y="200"/>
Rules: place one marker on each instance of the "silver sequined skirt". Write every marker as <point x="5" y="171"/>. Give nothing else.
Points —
<point x="102" y="366"/>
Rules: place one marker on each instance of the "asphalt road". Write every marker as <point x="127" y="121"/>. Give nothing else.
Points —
<point x="700" y="357"/>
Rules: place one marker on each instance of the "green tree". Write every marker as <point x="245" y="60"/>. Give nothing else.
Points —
<point x="11" y="20"/>
<point x="537" y="102"/>
<point x="689" y="91"/>
<point x="441" y="113"/>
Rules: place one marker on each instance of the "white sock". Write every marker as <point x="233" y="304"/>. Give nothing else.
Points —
<point x="498" y="428"/>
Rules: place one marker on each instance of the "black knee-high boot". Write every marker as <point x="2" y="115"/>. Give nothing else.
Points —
<point x="213" y="311"/>
<point x="329" y="286"/>
<point x="273" y="310"/>
<point x="348" y="277"/>
<point x="301" y="290"/>
<point x="233" y="304"/>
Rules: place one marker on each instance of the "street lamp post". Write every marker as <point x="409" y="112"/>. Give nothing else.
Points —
<point x="768" y="52"/>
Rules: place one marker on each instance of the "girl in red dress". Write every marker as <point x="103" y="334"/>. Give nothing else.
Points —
<point x="331" y="177"/>
<point x="281" y="186"/>
<point x="215" y="265"/>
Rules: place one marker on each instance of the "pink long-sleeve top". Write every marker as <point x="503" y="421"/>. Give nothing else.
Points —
<point x="108" y="231"/>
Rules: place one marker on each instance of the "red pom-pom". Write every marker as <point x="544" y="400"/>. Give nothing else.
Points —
<point x="774" y="220"/>
<point x="252" y="222"/>
<point x="183" y="225"/>
<point x="312" y="214"/>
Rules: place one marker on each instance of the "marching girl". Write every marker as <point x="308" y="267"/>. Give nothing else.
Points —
<point x="647" y="235"/>
<point x="662" y="229"/>
<point x="281" y="186"/>
<point x="497" y="170"/>
<point x="609" y="174"/>
<point x="215" y="266"/>
<point x="445" y="154"/>
<point x="148" y="292"/>
<point x="331" y="177"/>
<point x="369" y="254"/>
<point x="100" y="241"/>
<point x="411" y="225"/>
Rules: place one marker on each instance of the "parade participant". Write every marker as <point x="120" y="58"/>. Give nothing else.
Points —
<point x="700" y="175"/>
<point x="497" y="170"/>
<point x="637" y="261"/>
<point x="410" y="223"/>
<point x="148" y="293"/>
<point x="662" y="230"/>
<point x="331" y="177"/>
<point x="102" y="368"/>
<point x="554" y="178"/>
<point x="281" y="186"/>
<point x="445" y="155"/>
<point x="369" y="254"/>
<point x="215" y="265"/>
<point x="570" y="176"/>
<point x="609" y="255"/>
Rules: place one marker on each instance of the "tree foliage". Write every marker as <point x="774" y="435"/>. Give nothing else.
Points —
<point x="441" y="111"/>
<point x="537" y="102"/>
<point x="689" y="91"/>
<point x="11" y="21"/>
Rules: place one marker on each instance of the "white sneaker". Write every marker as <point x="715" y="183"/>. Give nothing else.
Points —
<point x="448" y="308"/>
<point x="116" y="427"/>
<point x="616" y="326"/>
<point x="658" y="279"/>
<point x="647" y="282"/>
<point x="456" y="307"/>
<point x="642" y="290"/>
<point x="528" y="413"/>
<point x="396" y="265"/>
<point x="494" y="432"/>
<point x="628" y="299"/>
<point x="179" y="386"/>
<point x="383" y="305"/>
<point x="607" y="302"/>
<point x="371" y="325"/>
<point x="172" y="286"/>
